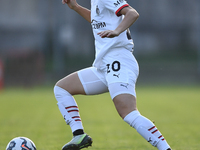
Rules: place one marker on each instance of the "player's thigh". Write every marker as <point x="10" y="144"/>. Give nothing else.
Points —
<point x="72" y="84"/>
<point x="93" y="81"/>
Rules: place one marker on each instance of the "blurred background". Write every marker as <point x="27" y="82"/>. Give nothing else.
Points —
<point x="41" y="41"/>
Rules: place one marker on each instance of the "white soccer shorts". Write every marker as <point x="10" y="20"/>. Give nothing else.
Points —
<point x="117" y="75"/>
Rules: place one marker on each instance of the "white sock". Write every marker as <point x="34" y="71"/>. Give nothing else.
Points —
<point x="146" y="129"/>
<point x="68" y="108"/>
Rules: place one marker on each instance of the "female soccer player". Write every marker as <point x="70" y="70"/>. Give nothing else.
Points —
<point x="114" y="70"/>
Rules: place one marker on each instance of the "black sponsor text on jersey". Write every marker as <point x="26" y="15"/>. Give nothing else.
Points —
<point x="118" y="2"/>
<point x="97" y="25"/>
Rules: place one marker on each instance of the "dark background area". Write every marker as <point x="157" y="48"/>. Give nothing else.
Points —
<point x="42" y="41"/>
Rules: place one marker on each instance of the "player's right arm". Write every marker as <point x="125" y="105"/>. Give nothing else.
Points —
<point x="84" y="12"/>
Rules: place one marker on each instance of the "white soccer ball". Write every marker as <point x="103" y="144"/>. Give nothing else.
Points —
<point x="21" y="143"/>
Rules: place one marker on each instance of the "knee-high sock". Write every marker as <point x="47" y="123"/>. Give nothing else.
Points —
<point x="68" y="108"/>
<point x="146" y="129"/>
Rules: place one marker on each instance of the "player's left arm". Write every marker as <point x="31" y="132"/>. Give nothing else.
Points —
<point x="130" y="16"/>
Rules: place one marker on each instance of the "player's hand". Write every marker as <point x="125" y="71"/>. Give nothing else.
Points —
<point x="64" y="1"/>
<point x="71" y="3"/>
<point x="108" y="34"/>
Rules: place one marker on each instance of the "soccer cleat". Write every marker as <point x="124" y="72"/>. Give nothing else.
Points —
<point x="169" y="149"/>
<point x="78" y="142"/>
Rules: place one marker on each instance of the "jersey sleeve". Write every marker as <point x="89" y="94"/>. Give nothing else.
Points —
<point x="115" y="5"/>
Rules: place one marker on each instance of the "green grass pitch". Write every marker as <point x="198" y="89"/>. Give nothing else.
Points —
<point x="33" y="113"/>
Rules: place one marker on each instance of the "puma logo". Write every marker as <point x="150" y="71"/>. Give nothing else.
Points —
<point x="124" y="85"/>
<point x="152" y="142"/>
<point x="149" y="139"/>
<point x="116" y="75"/>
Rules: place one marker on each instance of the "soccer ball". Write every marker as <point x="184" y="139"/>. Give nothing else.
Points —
<point x="21" y="143"/>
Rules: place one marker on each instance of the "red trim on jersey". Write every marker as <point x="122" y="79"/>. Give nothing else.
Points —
<point x="117" y="12"/>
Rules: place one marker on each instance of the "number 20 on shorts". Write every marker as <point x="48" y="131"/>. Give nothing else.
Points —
<point x="115" y="66"/>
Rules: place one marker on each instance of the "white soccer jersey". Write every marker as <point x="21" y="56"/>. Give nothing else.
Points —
<point x="105" y="16"/>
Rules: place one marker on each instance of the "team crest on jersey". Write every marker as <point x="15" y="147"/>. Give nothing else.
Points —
<point x="118" y="2"/>
<point x="97" y="10"/>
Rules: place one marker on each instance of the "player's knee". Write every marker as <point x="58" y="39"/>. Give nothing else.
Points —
<point x="131" y="117"/>
<point x="60" y="92"/>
